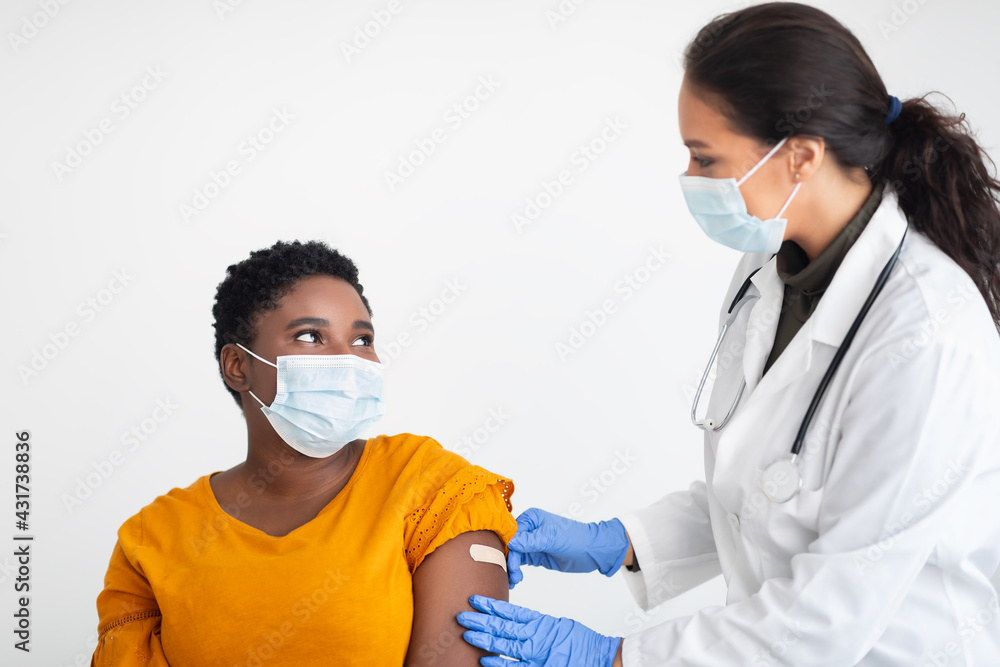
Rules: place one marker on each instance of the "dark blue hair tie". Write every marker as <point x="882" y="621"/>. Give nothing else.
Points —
<point x="895" y="106"/>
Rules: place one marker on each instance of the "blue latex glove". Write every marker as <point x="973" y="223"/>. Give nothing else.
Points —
<point x="535" y="639"/>
<point x="566" y="545"/>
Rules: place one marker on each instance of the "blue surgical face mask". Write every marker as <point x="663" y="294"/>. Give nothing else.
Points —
<point x="324" y="401"/>
<point x="720" y="210"/>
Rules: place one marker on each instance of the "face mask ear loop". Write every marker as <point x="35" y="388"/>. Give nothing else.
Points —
<point x="756" y="166"/>
<point x="261" y="358"/>
<point x="789" y="200"/>
<point x="262" y="403"/>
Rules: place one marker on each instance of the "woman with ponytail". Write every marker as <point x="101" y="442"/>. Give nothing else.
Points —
<point x="852" y="435"/>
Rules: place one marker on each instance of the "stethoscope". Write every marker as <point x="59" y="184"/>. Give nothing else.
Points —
<point x="781" y="480"/>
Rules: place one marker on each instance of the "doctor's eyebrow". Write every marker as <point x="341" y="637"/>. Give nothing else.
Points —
<point x="694" y="143"/>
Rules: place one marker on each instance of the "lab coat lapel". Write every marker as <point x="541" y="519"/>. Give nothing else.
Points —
<point x="762" y="323"/>
<point x="794" y="360"/>
<point x="858" y="272"/>
<point x="825" y="328"/>
<point x="836" y="311"/>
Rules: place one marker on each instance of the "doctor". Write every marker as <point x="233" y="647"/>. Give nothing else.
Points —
<point x="852" y="433"/>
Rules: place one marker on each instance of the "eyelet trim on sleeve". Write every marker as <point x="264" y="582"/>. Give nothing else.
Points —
<point x="139" y="615"/>
<point x="473" y="482"/>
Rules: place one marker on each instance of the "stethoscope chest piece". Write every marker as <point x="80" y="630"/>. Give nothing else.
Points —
<point x="781" y="480"/>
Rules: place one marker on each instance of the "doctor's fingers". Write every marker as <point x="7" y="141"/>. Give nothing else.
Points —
<point x="514" y="575"/>
<point x="493" y="661"/>
<point x="542" y="537"/>
<point x="517" y="560"/>
<point x="502" y="609"/>
<point x="531" y="519"/>
<point x="513" y="648"/>
<point x="497" y="627"/>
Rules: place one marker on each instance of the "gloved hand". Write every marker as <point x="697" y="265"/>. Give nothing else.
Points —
<point x="535" y="639"/>
<point x="566" y="545"/>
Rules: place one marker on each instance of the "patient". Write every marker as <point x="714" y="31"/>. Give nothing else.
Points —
<point x="322" y="547"/>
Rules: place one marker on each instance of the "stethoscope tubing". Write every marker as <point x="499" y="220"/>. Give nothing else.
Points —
<point x="844" y="346"/>
<point x="785" y="469"/>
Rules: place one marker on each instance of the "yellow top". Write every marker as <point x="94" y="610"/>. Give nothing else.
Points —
<point x="189" y="584"/>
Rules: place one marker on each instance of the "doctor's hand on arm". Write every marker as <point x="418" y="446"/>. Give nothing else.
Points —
<point x="535" y="639"/>
<point x="557" y="543"/>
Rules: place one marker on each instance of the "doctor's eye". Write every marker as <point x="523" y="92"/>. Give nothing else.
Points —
<point x="367" y="340"/>
<point x="310" y="332"/>
<point x="704" y="162"/>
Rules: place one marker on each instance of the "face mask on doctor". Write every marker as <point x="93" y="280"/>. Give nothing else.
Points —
<point x="324" y="401"/>
<point x="720" y="210"/>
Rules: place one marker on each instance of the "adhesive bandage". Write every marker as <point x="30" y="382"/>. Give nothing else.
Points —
<point x="485" y="554"/>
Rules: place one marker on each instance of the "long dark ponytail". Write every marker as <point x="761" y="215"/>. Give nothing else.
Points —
<point x="783" y="68"/>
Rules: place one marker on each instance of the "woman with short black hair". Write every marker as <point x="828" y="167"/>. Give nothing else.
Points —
<point x="322" y="547"/>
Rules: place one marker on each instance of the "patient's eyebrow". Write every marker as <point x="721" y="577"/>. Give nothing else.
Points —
<point x="323" y="322"/>
<point x="313" y="321"/>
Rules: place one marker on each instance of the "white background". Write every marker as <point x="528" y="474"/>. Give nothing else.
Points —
<point x="625" y="393"/>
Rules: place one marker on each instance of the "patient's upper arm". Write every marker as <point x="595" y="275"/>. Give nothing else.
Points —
<point x="442" y="585"/>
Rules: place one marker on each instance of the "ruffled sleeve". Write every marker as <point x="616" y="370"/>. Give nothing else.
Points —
<point x="472" y="499"/>
<point x="128" y="634"/>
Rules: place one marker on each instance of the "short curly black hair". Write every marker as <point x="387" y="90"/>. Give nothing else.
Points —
<point x="256" y="285"/>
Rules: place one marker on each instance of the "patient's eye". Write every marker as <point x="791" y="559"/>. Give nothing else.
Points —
<point x="366" y="340"/>
<point x="310" y="332"/>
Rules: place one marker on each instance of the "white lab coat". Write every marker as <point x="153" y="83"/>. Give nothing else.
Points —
<point x="885" y="556"/>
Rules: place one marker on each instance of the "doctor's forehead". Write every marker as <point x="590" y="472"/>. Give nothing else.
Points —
<point x="701" y="124"/>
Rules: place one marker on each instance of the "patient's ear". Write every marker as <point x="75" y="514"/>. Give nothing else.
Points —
<point x="232" y="361"/>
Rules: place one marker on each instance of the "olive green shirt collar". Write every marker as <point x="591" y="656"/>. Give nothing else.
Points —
<point x="805" y="281"/>
<point x="812" y="278"/>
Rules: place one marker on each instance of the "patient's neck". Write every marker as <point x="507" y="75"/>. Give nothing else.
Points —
<point x="281" y="473"/>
